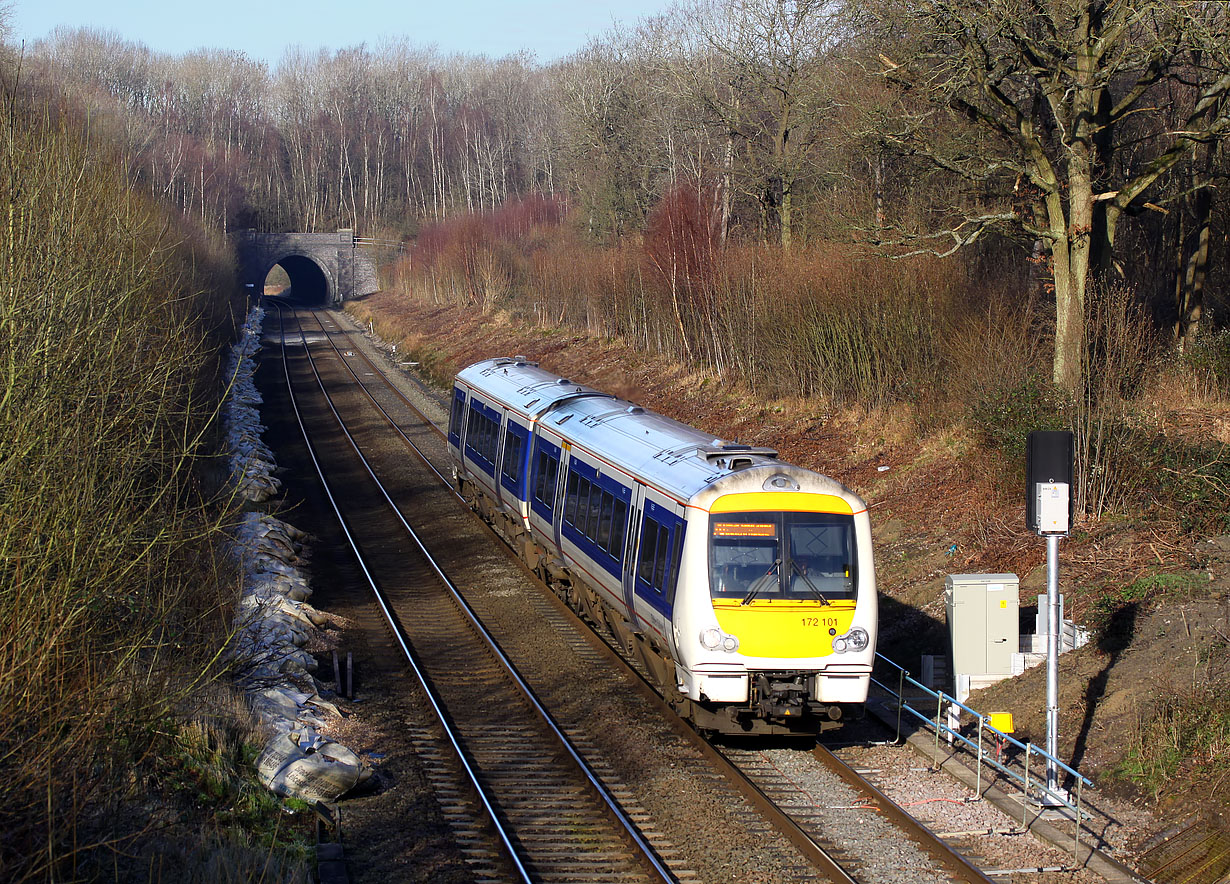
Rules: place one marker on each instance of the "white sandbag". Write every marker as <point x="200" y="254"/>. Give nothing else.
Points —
<point x="275" y="702"/>
<point x="301" y="764"/>
<point x="293" y="586"/>
<point x="297" y="661"/>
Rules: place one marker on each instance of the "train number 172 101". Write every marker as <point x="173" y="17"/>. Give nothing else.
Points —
<point x="819" y="621"/>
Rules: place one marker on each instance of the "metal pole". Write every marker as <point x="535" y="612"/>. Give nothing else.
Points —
<point x="900" y="703"/>
<point x="1052" y="660"/>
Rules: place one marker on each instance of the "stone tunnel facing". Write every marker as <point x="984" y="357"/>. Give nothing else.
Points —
<point x="308" y="284"/>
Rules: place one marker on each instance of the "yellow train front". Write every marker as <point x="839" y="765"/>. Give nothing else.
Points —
<point x="744" y="585"/>
<point x="775" y="612"/>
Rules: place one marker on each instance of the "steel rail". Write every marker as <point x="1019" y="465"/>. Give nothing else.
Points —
<point x="392" y="423"/>
<point x="609" y="801"/>
<point x="398" y="634"/>
<point x="939" y="850"/>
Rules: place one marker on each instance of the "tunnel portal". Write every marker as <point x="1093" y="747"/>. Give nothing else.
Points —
<point x="325" y="269"/>
<point x="309" y="287"/>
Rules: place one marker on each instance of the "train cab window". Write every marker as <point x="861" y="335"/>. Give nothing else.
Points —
<point x="769" y="555"/>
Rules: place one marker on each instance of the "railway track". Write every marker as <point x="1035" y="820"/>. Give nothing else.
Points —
<point x="545" y="816"/>
<point x="917" y="854"/>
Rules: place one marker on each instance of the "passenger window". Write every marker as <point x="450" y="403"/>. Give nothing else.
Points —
<point x="472" y="429"/>
<point x="618" y="524"/>
<point x="595" y="512"/>
<point x="571" y="499"/>
<point x="604" y="522"/>
<point x="583" y="507"/>
<point x="540" y="485"/>
<point x="672" y="576"/>
<point x="512" y="456"/>
<point x="458" y="413"/>
<point x="649" y="550"/>
<point x="548" y="495"/>
<point x="659" y="574"/>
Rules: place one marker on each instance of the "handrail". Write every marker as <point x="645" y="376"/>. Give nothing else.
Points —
<point x="946" y="703"/>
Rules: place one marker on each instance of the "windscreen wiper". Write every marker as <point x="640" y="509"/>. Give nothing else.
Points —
<point x="761" y="582"/>
<point x="794" y="566"/>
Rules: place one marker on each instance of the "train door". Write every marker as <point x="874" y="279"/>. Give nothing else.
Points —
<point x="514" y="462"/>
<point x="501" y="417"/>
<point x="545" y="475"/>
<point x="633" y="544"/>
<point x="557" y="524"/>
<point x="456" y="421"/>
<point x="658" y="559"/>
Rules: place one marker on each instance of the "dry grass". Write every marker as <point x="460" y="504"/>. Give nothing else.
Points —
<point x="821" y="321"/>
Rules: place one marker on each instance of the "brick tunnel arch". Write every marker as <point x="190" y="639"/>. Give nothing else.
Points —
<point x="310" y="285"/>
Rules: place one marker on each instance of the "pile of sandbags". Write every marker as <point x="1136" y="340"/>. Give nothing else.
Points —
<point x="251" y="461"/>
<point x="274" y="621"/>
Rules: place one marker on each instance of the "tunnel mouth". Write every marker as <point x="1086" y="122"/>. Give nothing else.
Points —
<point x="299" y="280"/>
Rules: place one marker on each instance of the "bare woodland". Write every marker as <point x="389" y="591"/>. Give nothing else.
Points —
<point x="759" y="187"/>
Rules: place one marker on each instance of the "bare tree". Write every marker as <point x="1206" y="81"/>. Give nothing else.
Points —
<point x="762" y="71"/>
<point x="1054" y="83"/>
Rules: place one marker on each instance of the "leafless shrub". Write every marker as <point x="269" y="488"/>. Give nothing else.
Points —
<point x="108" y="591"/>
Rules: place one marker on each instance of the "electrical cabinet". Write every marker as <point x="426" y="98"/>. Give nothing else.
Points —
<point x="983" y="625"/>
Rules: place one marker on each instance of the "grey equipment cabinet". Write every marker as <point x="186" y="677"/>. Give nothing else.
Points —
<point x="982" y="622"/>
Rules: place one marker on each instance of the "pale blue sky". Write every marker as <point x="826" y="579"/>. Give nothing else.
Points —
<point x="549" y="28"/>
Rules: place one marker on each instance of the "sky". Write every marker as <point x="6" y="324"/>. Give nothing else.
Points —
<point x="262" y="29"/>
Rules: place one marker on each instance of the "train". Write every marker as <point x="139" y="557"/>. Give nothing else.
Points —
<point x="744" y="586"/>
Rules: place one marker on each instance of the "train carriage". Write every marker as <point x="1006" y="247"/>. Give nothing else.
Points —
<point x="744" y="584"/>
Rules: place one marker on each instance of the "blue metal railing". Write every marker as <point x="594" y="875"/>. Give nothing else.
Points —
<point x="948" y="709"/>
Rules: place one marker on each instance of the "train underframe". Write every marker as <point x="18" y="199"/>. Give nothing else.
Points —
<point x="779" y="702"/>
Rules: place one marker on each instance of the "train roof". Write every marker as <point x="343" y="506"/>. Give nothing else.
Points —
<point x="678" y="459"/>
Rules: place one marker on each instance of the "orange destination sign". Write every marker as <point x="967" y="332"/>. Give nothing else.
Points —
<point x="743" y="529"/>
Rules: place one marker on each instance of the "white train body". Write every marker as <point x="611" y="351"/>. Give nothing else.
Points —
<point x="746" y="585"/>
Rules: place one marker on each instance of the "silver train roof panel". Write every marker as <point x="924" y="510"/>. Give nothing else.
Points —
<point x="523" y="386"/>
<point x="678" y="459"/>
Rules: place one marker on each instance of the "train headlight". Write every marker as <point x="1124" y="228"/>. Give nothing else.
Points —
<point x="711" y="639"/>
<point x="855" y="640"/>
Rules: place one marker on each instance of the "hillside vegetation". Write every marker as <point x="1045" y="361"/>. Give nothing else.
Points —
<point x="113" y="605"/>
